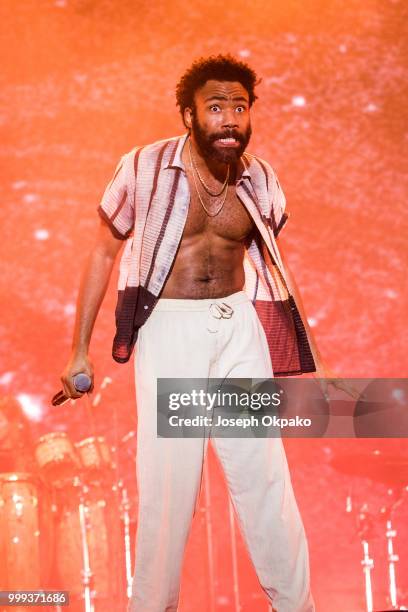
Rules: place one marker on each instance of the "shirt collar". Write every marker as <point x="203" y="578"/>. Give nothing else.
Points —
<point x="177" y="162"/>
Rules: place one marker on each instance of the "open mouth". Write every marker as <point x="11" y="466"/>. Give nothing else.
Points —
<point x="227" y="142"/>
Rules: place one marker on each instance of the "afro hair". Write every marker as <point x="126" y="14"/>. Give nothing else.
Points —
<point x="218" y="68"/>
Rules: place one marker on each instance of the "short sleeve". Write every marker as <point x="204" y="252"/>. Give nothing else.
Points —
<point x="116" y="207"/>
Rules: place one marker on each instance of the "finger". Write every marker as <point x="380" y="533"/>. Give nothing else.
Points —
<point x="325" y="388"/>
<point x="89" y="371"/>
<point x="323" y="385"/>
<point x="354" y="393"/>
<point x="65" y="386"/>
<point x="348" y="389"/>
<point x="91" y="376"/>
<point x="69" y="387"/>
<point x="74" y="394"/>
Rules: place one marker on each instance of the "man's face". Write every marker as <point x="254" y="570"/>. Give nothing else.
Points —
<point x="220" y="121"/>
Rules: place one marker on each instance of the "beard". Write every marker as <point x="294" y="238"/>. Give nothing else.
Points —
<point x="205" y="143"/>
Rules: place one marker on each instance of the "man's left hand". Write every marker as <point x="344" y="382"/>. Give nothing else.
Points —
<point x="328" y="377"/>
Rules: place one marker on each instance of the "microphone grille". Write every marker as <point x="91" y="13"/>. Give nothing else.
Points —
<point x="82" y="382"/>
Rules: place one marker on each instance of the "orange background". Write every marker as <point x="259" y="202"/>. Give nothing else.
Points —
<point x="84" y="81"/>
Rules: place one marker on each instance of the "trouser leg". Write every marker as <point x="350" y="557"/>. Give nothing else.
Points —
<point x="168" y="469"/>
<point x="259" y="482"/>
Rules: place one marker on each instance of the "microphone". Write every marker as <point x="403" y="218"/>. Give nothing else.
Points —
<point x="82" y="383"/>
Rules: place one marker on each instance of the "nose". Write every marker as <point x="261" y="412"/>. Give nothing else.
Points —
<point x="230" y="119"/>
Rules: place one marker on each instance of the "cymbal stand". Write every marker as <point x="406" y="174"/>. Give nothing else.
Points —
<point x="365" y="529"/>
<point x="368" y="565"/>
<point x="390" y="534"/>
<point x="234" y="556"/>
<point x="208" y="524"/>
<point x="86" y="571"/>
<point x="365" y="524"/>
<point x="125" y="507"/>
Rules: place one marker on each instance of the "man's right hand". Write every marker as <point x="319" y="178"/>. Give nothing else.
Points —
<point x="93" y="286"/>
<point x="78" y="364"/>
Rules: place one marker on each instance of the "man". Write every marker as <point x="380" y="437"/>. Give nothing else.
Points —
<point x="204" y="291"/>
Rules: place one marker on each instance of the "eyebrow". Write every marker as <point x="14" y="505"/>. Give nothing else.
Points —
<point x="236" y="99"/>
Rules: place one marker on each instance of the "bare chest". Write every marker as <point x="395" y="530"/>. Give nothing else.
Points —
<point x="233" y="222"/>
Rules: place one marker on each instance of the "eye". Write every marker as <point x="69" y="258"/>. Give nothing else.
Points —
<point x="214" y="108"/>
<point x="240" y="109"/>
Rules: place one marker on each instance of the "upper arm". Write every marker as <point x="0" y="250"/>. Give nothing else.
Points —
<point x="106" y="242"/>
<point x="117" y="205"/>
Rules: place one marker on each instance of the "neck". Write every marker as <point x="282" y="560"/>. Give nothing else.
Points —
<point x="211" y="166"/>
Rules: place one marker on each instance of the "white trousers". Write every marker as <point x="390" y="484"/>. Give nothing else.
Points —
<point x="182" y="339"/>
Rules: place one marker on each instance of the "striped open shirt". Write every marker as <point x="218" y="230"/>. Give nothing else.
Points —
<point x="147" y="203"/>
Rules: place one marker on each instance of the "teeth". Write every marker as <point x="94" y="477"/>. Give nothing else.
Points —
<point x="227" y="139"/>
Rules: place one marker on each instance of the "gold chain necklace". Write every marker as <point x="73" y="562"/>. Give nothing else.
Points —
<point x="209" y="213"/>
<point x="203" y="183"/>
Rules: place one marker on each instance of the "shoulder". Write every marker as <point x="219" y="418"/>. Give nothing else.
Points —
<point x="266" y="184"/>
<point x="160" y="149"/>
<point x="259" y="168"/>
<point x="144" y="162"/>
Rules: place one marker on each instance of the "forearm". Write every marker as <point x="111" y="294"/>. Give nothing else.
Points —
<point x="93" y="286"/>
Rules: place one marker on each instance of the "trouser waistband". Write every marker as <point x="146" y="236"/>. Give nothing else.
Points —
<point x="202" y="305"/>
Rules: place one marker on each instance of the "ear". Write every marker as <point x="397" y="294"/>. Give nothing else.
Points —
<point x="188" y="117"/>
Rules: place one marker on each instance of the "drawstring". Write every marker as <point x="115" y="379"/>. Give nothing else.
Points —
<point x="219" y="311"/>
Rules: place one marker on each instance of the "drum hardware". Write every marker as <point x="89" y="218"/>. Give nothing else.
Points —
<point x="88" y="530"/>
<point x="95" y="457"/>
<point x="365" y="530"/>
<point x="25" y="511"/>
<point x="209" y="533"/>
<point x="86" y="572"/>
<point x="56" y="457"/>
<point x="390" y="534"/>
<point x="90" y="559"/>
<point x="234" y="555"/>
<point x="391" y="470"/>
<point x="368" y="565"/>
<point x="93" y="552"/>
<point x="125" y="507"/>
<point x="73" y="500"/>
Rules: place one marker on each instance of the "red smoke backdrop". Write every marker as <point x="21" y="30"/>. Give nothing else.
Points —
<point x="84" y="81"/>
